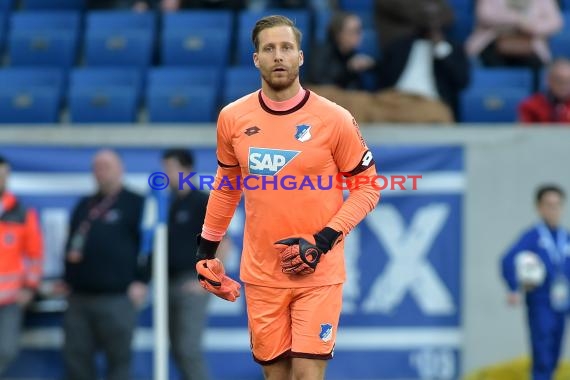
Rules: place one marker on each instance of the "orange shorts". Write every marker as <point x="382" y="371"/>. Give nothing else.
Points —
<point x="298" y="322"/>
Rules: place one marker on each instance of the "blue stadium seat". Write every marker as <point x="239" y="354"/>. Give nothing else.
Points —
<point x="370" y="43"/>
<point x="44" y="38"/>
<point x="502" y="77"/>
<point x="370" y="46"/>
<point x="3" y="31"/>
<point x="176" y="77"/>
<point x="30" y="95"/>
<point x="195" y="47"/>
<point x="322" y="20"/>
<point x="560" y="43"/>
<point x="240" y="81"/>
<point x="367" y="19"/>
<point x="41" y="20"/>
<point x="184" y="76"/>
<point x="54" y="4"/>
<point x="566" y="17"/>
<point x="198" y="19"/>
<point x="352" y="5"/>
<point x="462" y="5"/>
<point x="6" y="5"/>
<point x="132" y="48"/>
<point x="462" y="26"/>
<point x="121" y="19"/>
<point x="491" y="105"/>
<point x="245" y="49"/>
<point x="180" y="104"/>
<point x="120" y="38"/>
<point x="196" y="38"/>
<point x="104" y="95"/>
<point x="247" y="20"/>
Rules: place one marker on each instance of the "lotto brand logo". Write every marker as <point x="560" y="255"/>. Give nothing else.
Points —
<point x="263" y="161"/>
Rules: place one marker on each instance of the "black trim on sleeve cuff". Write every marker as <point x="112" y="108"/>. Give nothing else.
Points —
<point x="206" y="248"/>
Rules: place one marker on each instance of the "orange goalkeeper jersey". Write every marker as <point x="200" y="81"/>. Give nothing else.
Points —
<point x="286" y="163"/>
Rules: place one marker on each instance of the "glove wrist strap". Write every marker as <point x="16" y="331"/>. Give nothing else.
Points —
<point x="206" y="249"/>
<point x="327" y="238"/>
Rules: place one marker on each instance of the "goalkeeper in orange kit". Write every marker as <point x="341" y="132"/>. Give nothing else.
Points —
<point x="292" y="262"/>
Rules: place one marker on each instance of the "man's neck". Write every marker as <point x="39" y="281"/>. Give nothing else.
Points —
<point x="552" y="226"/>
<point x="111" y="189"/>
<point x="285" y="105"/>
<point x="281" y="95"/>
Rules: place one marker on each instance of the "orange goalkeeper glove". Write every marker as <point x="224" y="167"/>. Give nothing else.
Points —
<point x="211" y="272"/>
<point x="300" y="256"/>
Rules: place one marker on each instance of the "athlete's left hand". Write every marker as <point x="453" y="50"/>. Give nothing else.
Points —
<point x="301" y="256"/>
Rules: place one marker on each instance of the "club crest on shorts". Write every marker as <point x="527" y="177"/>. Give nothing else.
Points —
<point x="303" y="133"/>
<point x="9" y="238"/>
<point x="326" y="332"/>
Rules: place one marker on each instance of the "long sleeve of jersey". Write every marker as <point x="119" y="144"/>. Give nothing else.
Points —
<point x="356" y="164"/>
<point x="361" y="200"/>
<point x="225" y="195"/>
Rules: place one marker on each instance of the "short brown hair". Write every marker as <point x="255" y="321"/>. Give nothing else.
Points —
<point x="270" y="22"/>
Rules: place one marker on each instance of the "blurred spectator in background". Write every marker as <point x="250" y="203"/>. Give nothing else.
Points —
<point x="423" y="73"/>
<point x="103" y="274"/>
<point x="175" y="5"/>
<point x="187" y="300"/>
<point x="552" y="105"/>
<point x="317" y="5"/>
<point x="396" y="19"/>
<point x="117" y="5"/>
<point x="164" y="5"/>
<point x="514" y="33"/>
<point x="537" y="265"/>
<point x="20" y="266"/>
<point x="337" y="60"/>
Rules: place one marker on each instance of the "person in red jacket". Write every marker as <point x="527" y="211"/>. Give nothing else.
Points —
<point x="21" y="253"/>
<point x="553" y="105"/>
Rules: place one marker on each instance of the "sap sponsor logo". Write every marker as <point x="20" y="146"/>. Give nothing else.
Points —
<point x="263" y="161"/>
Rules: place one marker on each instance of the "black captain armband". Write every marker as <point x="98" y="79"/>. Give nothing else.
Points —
<point x="365" y="162"/>
<point x="222" y="165"/>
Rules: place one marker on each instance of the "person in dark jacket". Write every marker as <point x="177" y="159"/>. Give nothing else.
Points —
<point x="103" y="274"/>
<point x="187" y="301"/>
<point x="337" y="62"/>
<point x="396" y="19"/>
<point x="426" y="64"/>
